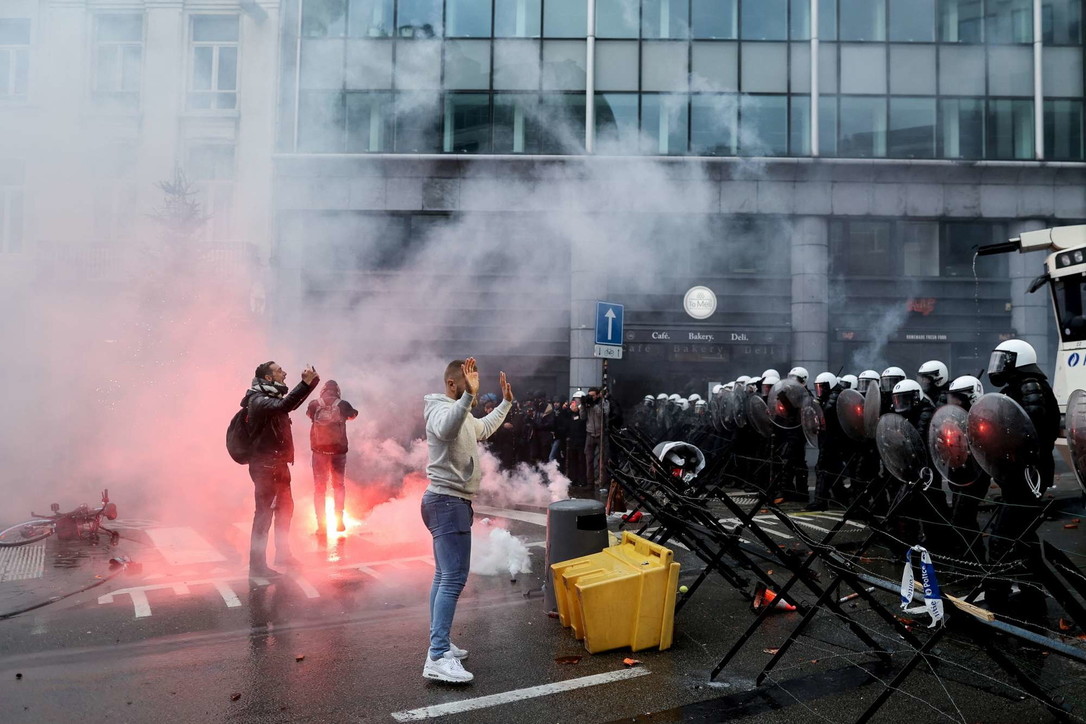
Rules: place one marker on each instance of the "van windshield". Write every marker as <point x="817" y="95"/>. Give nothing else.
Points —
<point x="1068" y="293"/>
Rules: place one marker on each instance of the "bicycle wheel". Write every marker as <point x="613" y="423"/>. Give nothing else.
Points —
<point x="28" y="532"/>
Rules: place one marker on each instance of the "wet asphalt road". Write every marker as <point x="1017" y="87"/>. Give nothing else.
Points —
<point x="343" y="640"/>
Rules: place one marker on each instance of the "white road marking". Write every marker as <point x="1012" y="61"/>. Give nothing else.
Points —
<point x="835" y="518"/>
<point x="306" y="586"/>
<point x="521" y="515"/>
<point x="183" y="546"/>
<point x="21" y="563"/>
<point x="228" y="596"/>
<point x="138" y="594"/>
<point x="484" y="702"/>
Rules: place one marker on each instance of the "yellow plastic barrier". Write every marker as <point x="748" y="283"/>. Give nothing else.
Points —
<point x="622" y="596"/>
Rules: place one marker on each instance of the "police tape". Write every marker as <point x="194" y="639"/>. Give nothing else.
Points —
<point x="933" y="600"/>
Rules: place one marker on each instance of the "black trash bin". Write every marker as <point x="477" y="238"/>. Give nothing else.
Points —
<point x="575" y="528"/>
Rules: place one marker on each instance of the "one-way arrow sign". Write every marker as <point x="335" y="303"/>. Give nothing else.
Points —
<point x="608" y="323"/>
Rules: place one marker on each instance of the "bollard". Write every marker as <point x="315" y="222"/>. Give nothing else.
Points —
<point x="575" y="528"/>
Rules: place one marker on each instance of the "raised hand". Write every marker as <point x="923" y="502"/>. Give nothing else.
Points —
<point x="506" y="388"/>
<point x="471" y="376"/>
<point x="309" y="375"/>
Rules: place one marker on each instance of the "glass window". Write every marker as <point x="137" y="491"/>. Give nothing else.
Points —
<point x="322" y="64"/>
<point x="1062" y="72"/>
<point x="517" y="18"/>
<point x="714" y="120"/>
<point x="565" y="18"/>
<point x="418" y="18"/>
<point x="827" y="67"/>
<point x="418" y="65"/>
<point x="863" y="68"/>
<point x="827" y="125"/>
<point x="863" y="248"/>
<point x="1061" y="22"/>
<point x="920" y="248"/>
<point x="516" y="123"/>
<point x="664" y="66"/>
<point x="468" y="18"/>
<point x="369" y="64"/>
<point x="765" y="68"/>
<point x="467" y="64"/>
<point x="800" y="67"/>
<point x="617" y="18"/>
<point x="369" y="122"/>
<point x="912" y="21"/>
<point x="713" y="18"/>
<point x="617" y="123"/>
<point x="799" y="19"/>
<point x="862" y="131"/>
<point x="664" y="123"/>
<point x="369" y="18"/>
<point x="214" y="64"/>
<point x="962" y="70"/>
<point x="863" y="19"/>
<point x="912" y="69"/>
<point x="321" y="122"/>
<point x="1010" y="71"/>
<point x="665" y="19"/>
<point x="516" y="64"/>
<point x="1063" y="130"/>
<point x="799" y="126"/>
<point x="764" y="20"/>
<point x="958" y="245"/>
<point x="324" y="18"/>
<point x="912" y="128"/>
<point x="417" y="123"/>
<point x="961" y="128"/>
<point x="763" y="125"/>
<point x="467" y="123"/>
<point x="1010" y="129"/>
<point x="1009" y="21"/>
<point x="617" y="65"/>
<point x="564" y="65"/>
<point x="961" y="21"/>
<point x="562" y="118"/>
<point x="714" y="66"/>
<point x="118" y="59"/>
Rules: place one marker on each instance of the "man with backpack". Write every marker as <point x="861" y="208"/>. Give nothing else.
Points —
<point x="267" y="405"/>
<point x="328" y="441"/>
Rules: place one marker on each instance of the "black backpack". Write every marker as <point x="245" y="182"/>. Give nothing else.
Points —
<point x="239" y="440"/>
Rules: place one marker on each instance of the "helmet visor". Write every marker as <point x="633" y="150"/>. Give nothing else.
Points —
<point x="904" y="401"/>
<point x="886" y="384"/>
<point x="1001" y="361"/>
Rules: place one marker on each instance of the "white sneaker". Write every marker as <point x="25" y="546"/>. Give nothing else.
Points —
<point x="457" y="652"/>
<point x="448" y="668"/>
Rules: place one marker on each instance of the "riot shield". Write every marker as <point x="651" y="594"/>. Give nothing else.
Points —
<point x="1076" y="433"/>
<point x="814" y="422"/>
<point x="716" y="411"/>
<point x="872" y="409"/>
<point x="850" y="411"/>
<point x="786" y="401"/>
<point x="758" y="415"/>
<point x="1002" y="438"/>
<point x="900" y="447"/>
<point x="735" y="407"/>
<point x="948" y="441"/>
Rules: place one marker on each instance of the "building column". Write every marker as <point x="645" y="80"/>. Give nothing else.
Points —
<point x="810" y="293"/>
<point x="1031" y="314"/>
<point x="585" y="370"/>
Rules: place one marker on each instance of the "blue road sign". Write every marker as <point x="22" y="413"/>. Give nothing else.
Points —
<point x="608" y="323"/>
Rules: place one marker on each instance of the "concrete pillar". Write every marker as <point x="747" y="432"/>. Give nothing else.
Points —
<point x="810" y="293"/>
<point x="1031" y="314"/>
<point x="585" y="286"/>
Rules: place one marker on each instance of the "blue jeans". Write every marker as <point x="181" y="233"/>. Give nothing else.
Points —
<point x="449" y="519"/>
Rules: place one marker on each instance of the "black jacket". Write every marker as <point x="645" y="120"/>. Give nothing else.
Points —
<point x="1030" y="389"/>
<point x="330" y="438"/>
<point x="269" y="419"/>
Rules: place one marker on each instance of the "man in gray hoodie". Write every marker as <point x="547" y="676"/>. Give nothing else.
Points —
<point x="452" y="436"/>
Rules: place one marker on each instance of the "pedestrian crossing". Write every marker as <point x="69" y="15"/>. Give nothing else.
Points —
<point x="21" y="563"/>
